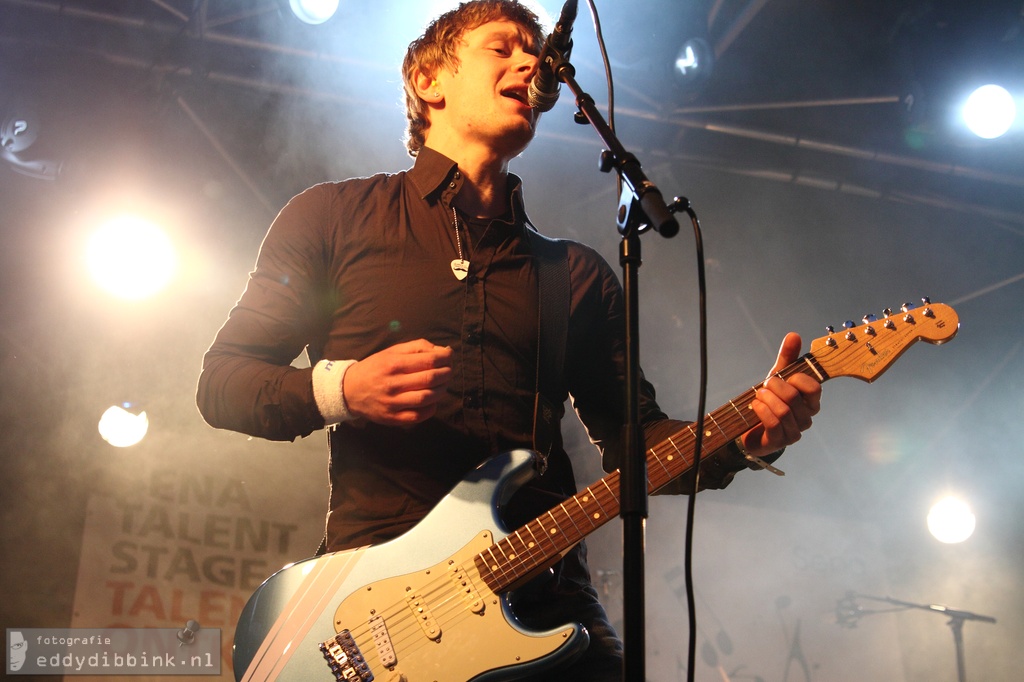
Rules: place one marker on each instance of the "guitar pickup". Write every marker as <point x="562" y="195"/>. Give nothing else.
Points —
<point x="466" y="588"/>
<point x="420" y="609"/>
<point x="382" y="640"/>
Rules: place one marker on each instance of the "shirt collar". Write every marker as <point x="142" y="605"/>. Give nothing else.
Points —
<point x="434" y="176"/>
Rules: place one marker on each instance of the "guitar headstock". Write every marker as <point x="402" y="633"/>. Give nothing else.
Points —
<point x="865" y="351"/>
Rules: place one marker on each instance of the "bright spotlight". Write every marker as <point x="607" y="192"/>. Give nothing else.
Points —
<point x="989" y="111"/>
<point x="951" y="520"/>
<point x="122" y="428"/>
<point x="131" y="258"/>
<point x="313" y="11"/>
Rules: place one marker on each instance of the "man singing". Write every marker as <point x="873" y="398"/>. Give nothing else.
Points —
<point x="416" y="296"/>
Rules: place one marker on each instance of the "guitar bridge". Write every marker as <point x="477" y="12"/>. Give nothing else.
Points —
<point x="344" y="658"/>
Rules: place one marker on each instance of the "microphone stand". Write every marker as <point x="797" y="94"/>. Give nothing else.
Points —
<point x="956" y="622"/>
<point x="641" y="206"/>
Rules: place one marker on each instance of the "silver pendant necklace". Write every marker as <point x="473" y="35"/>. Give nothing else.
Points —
<point x="460" y="266"/>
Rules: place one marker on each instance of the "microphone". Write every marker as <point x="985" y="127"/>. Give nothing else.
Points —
<point x="543" y="91"/>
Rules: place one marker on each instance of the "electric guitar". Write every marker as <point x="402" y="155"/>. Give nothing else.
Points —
<point x="433" y="604"/>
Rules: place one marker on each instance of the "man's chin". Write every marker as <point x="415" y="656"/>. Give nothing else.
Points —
<point x="523" y="137"/>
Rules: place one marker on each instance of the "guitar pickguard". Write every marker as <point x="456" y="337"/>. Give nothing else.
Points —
<point x="443" y="618"/>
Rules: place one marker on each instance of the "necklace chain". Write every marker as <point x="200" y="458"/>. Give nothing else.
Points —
<point x="455" y="224"/>
<point x="460" y="266"/>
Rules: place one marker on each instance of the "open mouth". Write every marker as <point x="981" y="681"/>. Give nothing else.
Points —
<point x="518" y="94"/>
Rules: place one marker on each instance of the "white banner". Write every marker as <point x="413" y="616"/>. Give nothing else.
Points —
<point x="186" y="546"/>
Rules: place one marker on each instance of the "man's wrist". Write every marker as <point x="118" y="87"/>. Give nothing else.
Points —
<point x="329" y="390"/>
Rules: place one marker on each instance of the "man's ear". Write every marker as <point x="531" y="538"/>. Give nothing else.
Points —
<point x="427" y="88"/>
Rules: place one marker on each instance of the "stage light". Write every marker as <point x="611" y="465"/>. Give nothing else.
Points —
<point x="951" y="520"/>
<point x="18" y="133"/>
<point x="131" y="258"/>
<point x="989" y="111"/>
<point x="123" y="428"/>
<point x="313" y="11"/>
<point x="694" y="63"/>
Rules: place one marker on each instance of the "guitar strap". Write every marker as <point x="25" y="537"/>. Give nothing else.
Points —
<point x="553" y="305"/>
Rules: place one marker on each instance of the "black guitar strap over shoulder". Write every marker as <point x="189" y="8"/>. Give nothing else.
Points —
<point x="553" y="304"/>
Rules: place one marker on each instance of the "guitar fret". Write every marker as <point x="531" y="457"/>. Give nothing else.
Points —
<point x="504" y="555"/>
<point x="707" y="434"/>
<point x="509" y="557"/>
<point x="586" y="514"/>
<point x="611" y="492"/>
<point x="597" y="502"/>
<point x="579" y="533"/>
<point x="530" y="550"/>
<point x="673" y="443"/>
<point x="523" y="549"/>
<point x="545" y="534"/>
<point x="654" y="455"/>
<point x="740" y="413"/>
<point x="556" y="533"/>
<point x="535" y="542"/>
<point x="814" y="368"/>
<point x="494" y="566"/>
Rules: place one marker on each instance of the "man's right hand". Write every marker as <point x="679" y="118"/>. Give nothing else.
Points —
<point x="400" y="385"/>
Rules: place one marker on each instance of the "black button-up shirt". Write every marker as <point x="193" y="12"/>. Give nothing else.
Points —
<point x="348" y="269"/>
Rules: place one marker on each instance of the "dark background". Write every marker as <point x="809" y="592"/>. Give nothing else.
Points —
<point x="822" y="154"/>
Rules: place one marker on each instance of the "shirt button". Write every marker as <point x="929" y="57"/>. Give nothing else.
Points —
<point x="471" y="401"/>
<point x="473" y="338"/>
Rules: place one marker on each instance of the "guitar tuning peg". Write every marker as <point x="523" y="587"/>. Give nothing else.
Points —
<point x="926" y="300"/>
<point x="869" y="318"/>
<point x="849" y="324"/>
<point x="907" y="307"/>
<point x="830" y="329"/>
<point x="887" y="312"/>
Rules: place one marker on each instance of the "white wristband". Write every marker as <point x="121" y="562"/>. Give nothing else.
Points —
<point x="328" y="391"/>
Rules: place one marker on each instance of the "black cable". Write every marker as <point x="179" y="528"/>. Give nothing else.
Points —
<point x="698" y="442"/>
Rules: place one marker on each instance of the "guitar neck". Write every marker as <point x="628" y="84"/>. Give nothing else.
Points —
<point x="863" y="352"/>
<point x="541" y="541"/>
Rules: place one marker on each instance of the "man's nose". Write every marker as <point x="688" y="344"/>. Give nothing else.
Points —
<point x="528" y="63"/>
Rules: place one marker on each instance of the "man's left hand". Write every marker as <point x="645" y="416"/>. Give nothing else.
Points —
<point x="784" y="406"/>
